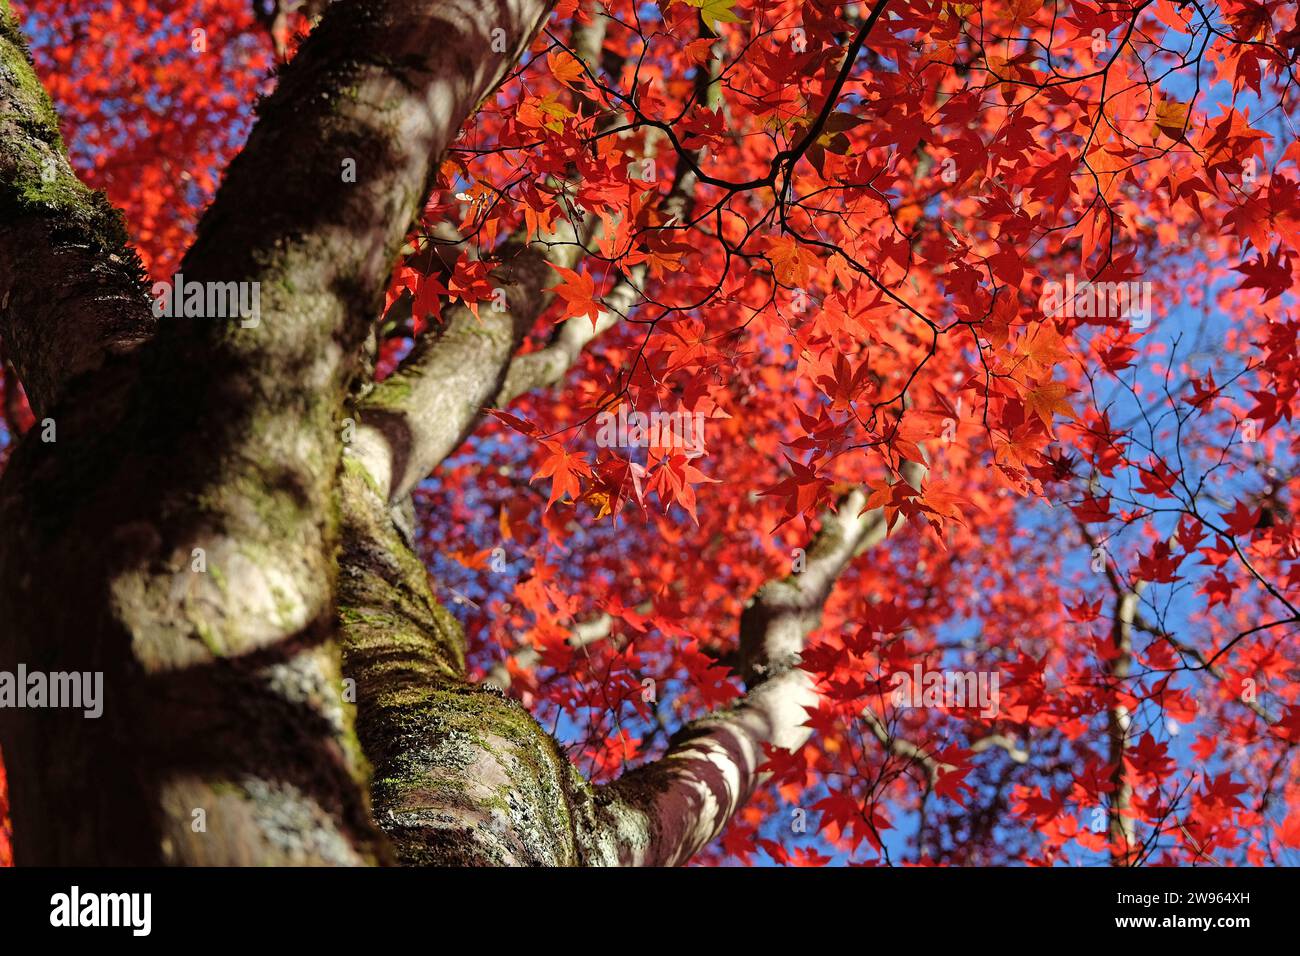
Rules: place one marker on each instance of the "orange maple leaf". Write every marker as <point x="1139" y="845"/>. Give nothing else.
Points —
<point x="578" y="293"/>
<point x="1045" y="400"/>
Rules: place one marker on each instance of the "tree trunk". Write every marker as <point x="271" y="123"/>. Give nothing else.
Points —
<point x="179" y="532"/>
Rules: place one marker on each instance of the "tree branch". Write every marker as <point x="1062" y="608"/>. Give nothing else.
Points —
<point x="1202" y="663"/>
<point x="663" y="813"/>
<point x="1123" y="834"/>
<point x="71" y="288"/>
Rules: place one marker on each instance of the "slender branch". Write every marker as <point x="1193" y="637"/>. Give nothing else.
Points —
<point x="1202" y="663"/>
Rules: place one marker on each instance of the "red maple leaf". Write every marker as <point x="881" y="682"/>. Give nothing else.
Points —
<point x="564" y="469"/>
<point x="577" y="291"/>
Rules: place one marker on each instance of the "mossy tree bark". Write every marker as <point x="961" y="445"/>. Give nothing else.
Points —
<point x="211" y="444"/>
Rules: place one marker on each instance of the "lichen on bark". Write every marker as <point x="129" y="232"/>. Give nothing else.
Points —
<point x="71" y="287"/>
<point x="462" y="774"/>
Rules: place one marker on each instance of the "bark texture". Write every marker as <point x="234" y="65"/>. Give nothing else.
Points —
<point x="179" y="535"/>
<point x="71" y="289"/>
